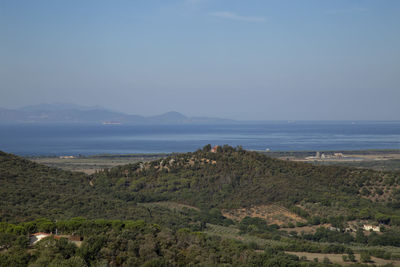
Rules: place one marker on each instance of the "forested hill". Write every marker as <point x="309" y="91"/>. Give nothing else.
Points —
<point x="235" y="178"/>
<point x="231" y="178"/>
<point x="34" y="198"/>
<point x="29" y="190"/>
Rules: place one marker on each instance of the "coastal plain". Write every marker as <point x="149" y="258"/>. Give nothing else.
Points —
<point x="384" y="160"/>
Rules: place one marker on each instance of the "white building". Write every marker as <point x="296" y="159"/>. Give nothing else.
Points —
<point x="368" y="227"/>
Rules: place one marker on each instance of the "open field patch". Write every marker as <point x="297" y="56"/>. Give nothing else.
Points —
<point x="233" y="233"/>
<point x="91" y="164"/>
<point x="272" y="214"/>
<point x="337" y="258"/>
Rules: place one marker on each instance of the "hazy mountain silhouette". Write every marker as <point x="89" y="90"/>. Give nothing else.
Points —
<point x="71" y="113"/>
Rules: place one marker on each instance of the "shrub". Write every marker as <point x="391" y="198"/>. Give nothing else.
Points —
<point x="365" y="257"/>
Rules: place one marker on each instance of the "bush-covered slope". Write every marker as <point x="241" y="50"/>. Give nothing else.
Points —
<point x="230" y="178"/>
<point x="233" y="178"/>
<point x="29" y="190"/>
<point x="32" y="191"/>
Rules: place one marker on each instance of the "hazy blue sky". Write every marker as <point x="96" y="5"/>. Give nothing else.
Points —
<point x="254" y="59"/>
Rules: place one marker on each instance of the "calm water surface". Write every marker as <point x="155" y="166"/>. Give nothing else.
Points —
<point x="117" y="139"/>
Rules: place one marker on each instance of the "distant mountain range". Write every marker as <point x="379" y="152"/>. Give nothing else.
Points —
<point x="70" y="113"/>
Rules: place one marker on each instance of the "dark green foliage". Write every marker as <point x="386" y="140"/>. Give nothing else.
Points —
<point x="15" y="257"/>
<point x="325" y="235"/>
<point x="351" y="256"/>
<point x="360" y="237"/>
<point x="315" y="220"/>
<point x="379" y="253"/>
<point x="238" y="174"/>
<point x="388" y="238"/>
<point x="365" y="256"/>
<point x="256" y="225"/>
<point x="299" y="211"/>
<point x="345" y="258"/>
<point x="106" y="207"/>
<point x="307" y="246"/>
<point x="326" y="261"/>
<point x="7" y="240"/>
<point x="225" y="180"/>
<point x="29" y="190"/>
<point x="135" y="243"/>
<point x="382" y="218"/>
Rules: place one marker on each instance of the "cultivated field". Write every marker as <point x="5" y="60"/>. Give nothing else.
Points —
<point x="337" y="258"/>
<point x="233" y="233"/>
<point x="92" y="164"/>
<point x="273" y="214"/>
<point x="373" y="159"/>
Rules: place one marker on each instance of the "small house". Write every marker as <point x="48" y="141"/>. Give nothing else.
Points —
<point x="36" y="237"/>
<point x="368" y="227"/>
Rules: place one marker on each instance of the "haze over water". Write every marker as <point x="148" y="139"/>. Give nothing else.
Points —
<point x="242" y="60"/>
<point x="120" y="139"/>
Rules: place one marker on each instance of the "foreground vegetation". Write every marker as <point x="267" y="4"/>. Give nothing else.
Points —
<point x="168" y="212"/>
<point x="133" y="243"/>
<point x="136" y="243"/>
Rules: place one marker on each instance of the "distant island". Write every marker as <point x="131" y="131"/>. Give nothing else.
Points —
<point x="70" y="113"/>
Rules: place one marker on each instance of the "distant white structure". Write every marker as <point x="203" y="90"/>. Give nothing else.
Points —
<point x="317" y="156"/>
<point x="111" y="123"/>
<point x="267" y="149"/>
<point x="368" y="227"/>
<point x="323" y="156"/>
<point x="67" y="157"/>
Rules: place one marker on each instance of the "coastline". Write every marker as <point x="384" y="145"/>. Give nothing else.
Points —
<point x="388" y="159"/>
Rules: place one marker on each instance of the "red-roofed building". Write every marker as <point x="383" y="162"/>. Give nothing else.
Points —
<point x="214" y="149"/>
<point x="36" y="237"/>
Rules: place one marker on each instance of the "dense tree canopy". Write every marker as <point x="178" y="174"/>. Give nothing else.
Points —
<point x="120" y="215"/>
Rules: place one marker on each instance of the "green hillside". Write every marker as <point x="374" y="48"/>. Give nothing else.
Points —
<point x="202" y="208"/>
<point x="32" y="191"/>
<point x="235" y="178"/>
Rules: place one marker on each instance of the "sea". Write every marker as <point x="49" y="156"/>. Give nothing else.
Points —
<point x="57" y="140"/>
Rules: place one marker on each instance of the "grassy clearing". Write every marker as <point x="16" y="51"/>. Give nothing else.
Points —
<point x="233" y="233"/>
<point x="394" y="250"/>
<point x="272" y="214"/>
<point x="337" y="258"/>
<point x="90" y="165"/>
